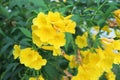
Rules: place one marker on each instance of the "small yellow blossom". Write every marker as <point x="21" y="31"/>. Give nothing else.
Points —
<point x="70" y="26"/>
<point x="36" y="78"/>
<point x="32" y="78"/>
<point x="58" y="40"/>
<point x="56" y="52"/>
<point x="110" y="75"/>
<point x="40" y="20"/>
<point x="73" y="60"/>
<point x="117" y="16"/>
<point x="45" y="33"/>
<point x="54" y="16"/>
<point x="16" y="52"/>
<point x="36" y="40"/>
<point x="31" y="58"/>
<point x="81" y="41"/>
<point x="117" y="33"/>
<point x="107" y="29"/>
<point x="40" y="78"/>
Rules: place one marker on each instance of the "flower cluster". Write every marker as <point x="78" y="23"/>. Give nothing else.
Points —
<point x="48" y="33"/>
<point x="30" y="58"/>
<point x="50" y="29"/>
<point x="99" y="62"/>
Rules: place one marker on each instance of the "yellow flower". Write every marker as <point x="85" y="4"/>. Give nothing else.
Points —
<point x="81" y="41"/>
<point x="117" y="33"/>
<point x="116" y="44"/>
<point x="16" y="52"/>
<point x="70" y="26"/>
<point x="110" y="75"/>
<point x="47" y="47"/>
<point x="40" y="20"/>
<point x="58" y="40"/>
<point x="117" y="12"/>
<point x="37" y="64"/>
<point x="68" y="17"/>
<point x="59" y="26"/>
<point x="117" y="16"/>
<point x="53" y="17"/>
<point x="45" y="33"/>
<point x="96" y="28"/>
<point x="106" y="28"/>
<point x="32" y="78"/>
<point x="50" y="29"/>
<point x="56" y="52"/>
<point x="73" y="61"/>
<point x="40" y="78"/>
<point x="84" y="73"/>
<point x="35" y="78"/>
<point x="31" y="58"/>
<point x="36" y="40"/>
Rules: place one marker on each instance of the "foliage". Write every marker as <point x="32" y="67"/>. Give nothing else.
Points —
<point x="16" y="20"/>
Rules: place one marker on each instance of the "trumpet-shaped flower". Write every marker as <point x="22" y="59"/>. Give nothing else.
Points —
<point x="81" y="41"/>
<point x="16" y="52"/>
<point x="31" y="58"/>
<point x="110" y="75"/>
<point x="53" y="17"/>
<point x="58" y="40"/>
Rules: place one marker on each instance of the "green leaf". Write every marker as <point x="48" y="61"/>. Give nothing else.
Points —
<point x="69" y="38"/>
<point x="51" y="73"/>
<point x="25" y="31"/>
<point x="1" y="32"/>
<point x="39" y="3"/>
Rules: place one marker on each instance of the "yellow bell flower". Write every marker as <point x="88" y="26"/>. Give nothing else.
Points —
<point x="40" y="78"/>
<point x="41" y="19"/>
<point x="110" y="75"/>
<point x="16" y="51"/>
<point x="35" y="78"/>
<point x="32" y="78"/>
<point x="36" y="39"/>
<point x="45" y="33"/>
<point x="58" y="40"/>
<point x="70" y="26"/>
<point x="31" y="58"/>
<point x="53" y="17"/>
<point x="117" y="16"/>
<point x="81" y="41"/>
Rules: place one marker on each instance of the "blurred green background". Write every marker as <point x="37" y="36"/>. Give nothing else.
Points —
<point x="16" y="19"/>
